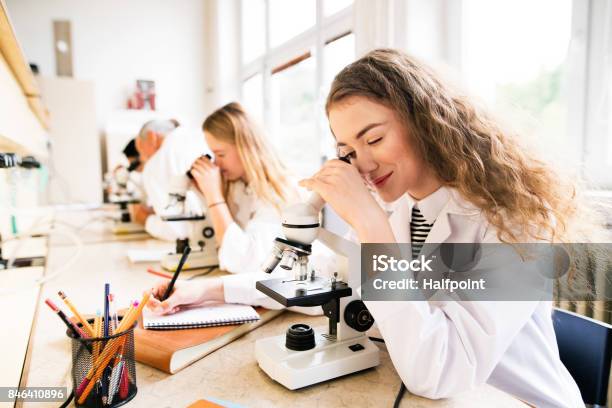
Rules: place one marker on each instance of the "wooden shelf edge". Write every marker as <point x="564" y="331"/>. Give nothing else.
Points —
<point x="14" y="56"/>
<point x="39" y="110"/>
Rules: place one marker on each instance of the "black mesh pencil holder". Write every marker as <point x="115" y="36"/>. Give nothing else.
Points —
<point x="103" y="369"/>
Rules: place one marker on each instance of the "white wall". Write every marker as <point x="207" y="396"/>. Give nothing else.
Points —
<point x="74" y="165"/>
<point x="116" y="42"/>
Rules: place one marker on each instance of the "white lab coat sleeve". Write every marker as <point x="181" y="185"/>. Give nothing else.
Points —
<point x="244" y="250"/>
<point x="444" y="347"/>
<point x="160" y="229"/>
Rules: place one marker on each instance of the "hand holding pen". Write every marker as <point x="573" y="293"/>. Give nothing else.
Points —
<point x="161" y="293"/>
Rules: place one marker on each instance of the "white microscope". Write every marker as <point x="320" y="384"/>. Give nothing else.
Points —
<point x="305" y="356"/>
<point x="122" y="190"/>
<point x="186" y="211"/>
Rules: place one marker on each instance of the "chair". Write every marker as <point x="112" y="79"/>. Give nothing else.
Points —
<point x="585" y="348"/>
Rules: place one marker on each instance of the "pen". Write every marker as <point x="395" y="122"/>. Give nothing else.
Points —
<point x="115" y="374"/>
<point x="115" y="324"/>
<point x="176" y="273"/>
<point x="106" y="319"/>
<point x="124" y="382"/>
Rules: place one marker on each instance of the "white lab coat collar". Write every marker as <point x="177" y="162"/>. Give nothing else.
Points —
<point x="431" y="205"/>
<point x="445" y="200"/>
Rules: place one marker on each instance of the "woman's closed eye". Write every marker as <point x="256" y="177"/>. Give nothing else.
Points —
<point x="346" y="155"/>
<point x="374" y="140"/>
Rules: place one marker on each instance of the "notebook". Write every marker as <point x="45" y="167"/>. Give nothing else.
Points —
<point x="210" y="315"/>
<point x="173" y="350"/>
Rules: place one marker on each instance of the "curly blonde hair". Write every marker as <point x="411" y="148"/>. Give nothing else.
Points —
<point x="466" y="148"/>
<point x="522" y="197"/>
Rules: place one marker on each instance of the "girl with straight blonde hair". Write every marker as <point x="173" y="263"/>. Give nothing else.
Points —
<point x="245" y="188"/>
<point x="450" y="174"/>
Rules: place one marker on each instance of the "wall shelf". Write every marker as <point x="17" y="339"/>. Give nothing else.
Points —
<point x="23" y="118"/>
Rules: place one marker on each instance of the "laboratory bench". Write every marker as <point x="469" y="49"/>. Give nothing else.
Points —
<point x="230" y="373"/>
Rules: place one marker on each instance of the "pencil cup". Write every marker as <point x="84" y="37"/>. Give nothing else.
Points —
<point x="103" y="369"/>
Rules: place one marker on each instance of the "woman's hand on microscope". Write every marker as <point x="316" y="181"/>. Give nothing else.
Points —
<point x="346" y="191"/>
<point x="207" y="176"/>
<point x="185" y="294"/>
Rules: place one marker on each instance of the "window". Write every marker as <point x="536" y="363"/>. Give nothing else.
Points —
<point x="514" y="56"/>
<point x="253" y="16"/>
<point x="287" y="84"/>
<point x="252" y="96"/>
<point x="293" y="106"/>
<point x="333" y="6"/>
<point x="290" y="18"/>
<point x="337" y="53"/>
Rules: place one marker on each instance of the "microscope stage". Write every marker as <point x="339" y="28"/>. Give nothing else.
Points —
<point x="308" y="292"/>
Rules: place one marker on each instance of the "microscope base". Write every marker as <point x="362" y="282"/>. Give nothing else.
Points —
<point x="326" y="361"/>
<point x="121" y="228"/>
<point x="196" y="260"/>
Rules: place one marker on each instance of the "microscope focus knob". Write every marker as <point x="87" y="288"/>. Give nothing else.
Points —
<point x="300" y="337"/>
<point x="357" y="316"/>
<point x="208" y="232"/>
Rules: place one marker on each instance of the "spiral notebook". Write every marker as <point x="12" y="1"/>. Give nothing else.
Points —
<point x="210" y="315"/>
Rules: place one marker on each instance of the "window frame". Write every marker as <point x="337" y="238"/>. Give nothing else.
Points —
<point x="275" y="59"/>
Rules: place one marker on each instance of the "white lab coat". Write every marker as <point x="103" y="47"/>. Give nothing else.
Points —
<point x="179" y="150"/>
<point x="441" y="348"/>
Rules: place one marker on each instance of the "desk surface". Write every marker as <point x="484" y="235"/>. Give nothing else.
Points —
<point x="230" y="373"/>
<point x="92" y="227"/>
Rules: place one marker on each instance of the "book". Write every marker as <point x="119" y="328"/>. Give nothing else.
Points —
<point x="219" y="314"/>
<point x="211" y="402"/>
<point x="172" y="350"/>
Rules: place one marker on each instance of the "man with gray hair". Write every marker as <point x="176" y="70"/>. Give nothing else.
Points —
<point x="148" y="141"/>
<point x="151" y="136"/>
<point x="167" y="150"/>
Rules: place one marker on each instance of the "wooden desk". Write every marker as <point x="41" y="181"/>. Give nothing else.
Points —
<point x="230" y="373"/>
<point x="18" y="308"/>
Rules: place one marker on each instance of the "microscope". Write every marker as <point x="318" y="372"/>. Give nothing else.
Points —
<point x="122" y="190"/>
<point x="186" y="211"/>
<point x="305" y="356"/>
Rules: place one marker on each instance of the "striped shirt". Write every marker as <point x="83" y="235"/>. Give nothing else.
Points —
<point x="419" y="229"/>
